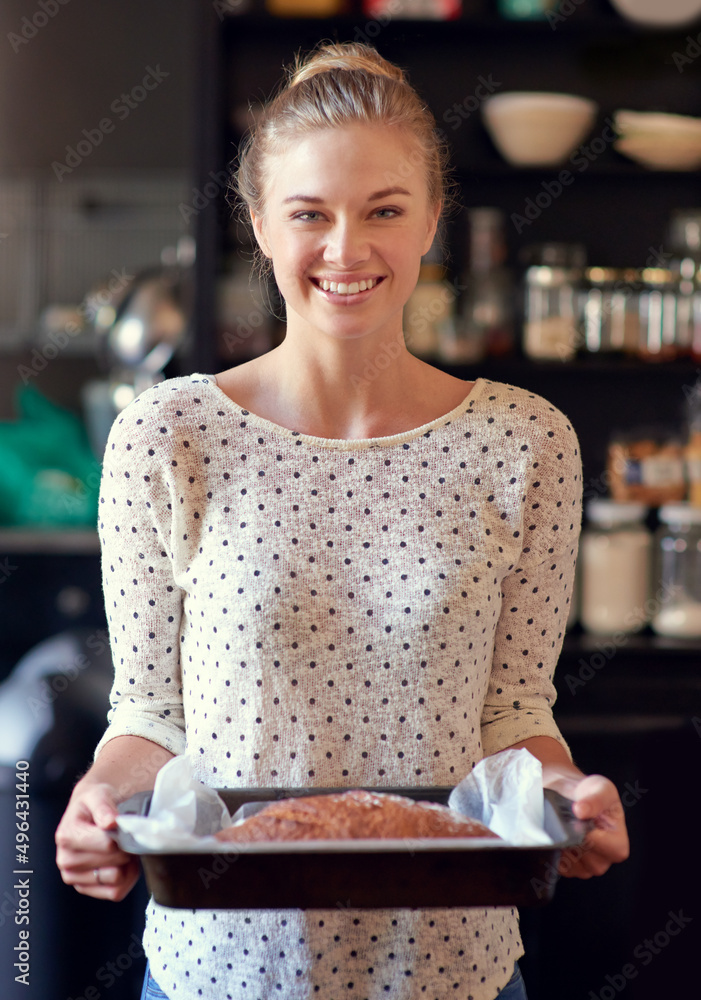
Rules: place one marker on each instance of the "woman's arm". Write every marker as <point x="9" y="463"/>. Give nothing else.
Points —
<point x="125" y="765"/>
<point x="595" y="798"/>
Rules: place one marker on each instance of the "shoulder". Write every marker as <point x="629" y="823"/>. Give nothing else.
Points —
<point x="528" y="413"/>
<point x="155" y="425"/>
<point x="161" y="408"/>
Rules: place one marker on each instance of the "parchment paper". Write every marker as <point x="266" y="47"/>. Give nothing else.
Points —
<point x="503" y="791"/>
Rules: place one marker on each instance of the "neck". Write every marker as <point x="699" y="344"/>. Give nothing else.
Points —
<point x="345" y="389"/>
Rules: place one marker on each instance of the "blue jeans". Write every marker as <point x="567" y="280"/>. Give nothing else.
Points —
<point x="514" y="989"/>
<point x="151" y="990"/>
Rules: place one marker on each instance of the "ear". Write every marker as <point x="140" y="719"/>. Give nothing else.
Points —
<point x="257" y="222"/>
<point x="434" y="214"/>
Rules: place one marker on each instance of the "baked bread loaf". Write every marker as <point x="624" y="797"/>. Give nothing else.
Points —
<point x="352" y="815"/>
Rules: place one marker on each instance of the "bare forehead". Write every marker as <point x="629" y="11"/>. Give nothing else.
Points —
<point x="371" y="160"/>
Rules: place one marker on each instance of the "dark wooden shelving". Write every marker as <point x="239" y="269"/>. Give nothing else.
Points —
<point x="593" y="17"/>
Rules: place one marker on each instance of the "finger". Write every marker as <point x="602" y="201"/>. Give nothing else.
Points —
<point x="84" y="838"/>
<point x="85" y="861"/>
<point x="595" y="855"/>
<point x="100" y="875"/>
<point x="80" y="830"/>
<point x="597" y="798"/>
<point x="114" y="883"/>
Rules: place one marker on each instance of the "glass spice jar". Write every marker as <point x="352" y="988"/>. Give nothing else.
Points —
<point x="615" y="560"/>
<point x="658" y="314"/>
<point x="550" y="328"/>
<point x="678" y="572"/>
<point x="609" y="310"/>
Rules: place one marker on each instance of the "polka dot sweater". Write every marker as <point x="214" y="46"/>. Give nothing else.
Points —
<point x="300" y="611"/>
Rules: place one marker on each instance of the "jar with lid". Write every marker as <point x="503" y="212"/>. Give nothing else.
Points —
<point x="551" y="300"/>
<point x="685" y="241"/>
<point x="658" y="314"/>
<point x="688" y="320"/>
<point x="431" y="305"/>
<point x="615" y="561"/>
<point x="486" y="323"/>
<point x="678" y="572"/>
<point x="550" y="328"/>
<point x="609" y="310"/>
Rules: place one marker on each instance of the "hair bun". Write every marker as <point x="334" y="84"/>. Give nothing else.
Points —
<point x="353" y="56"/>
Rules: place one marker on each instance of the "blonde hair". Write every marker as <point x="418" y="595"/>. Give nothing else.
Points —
<point x="336" y="85"/>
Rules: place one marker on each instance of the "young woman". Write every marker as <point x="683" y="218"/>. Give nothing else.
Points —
<point x="318" y="579"/>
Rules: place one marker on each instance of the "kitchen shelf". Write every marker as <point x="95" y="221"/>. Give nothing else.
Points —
<point x="622" y="169"/>
<point x="593" y="18"/>
<point x="49" y="541"/>
<point x="641" y="649"/>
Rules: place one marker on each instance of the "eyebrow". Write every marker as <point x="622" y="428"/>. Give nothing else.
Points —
<point x="377" y="196"/>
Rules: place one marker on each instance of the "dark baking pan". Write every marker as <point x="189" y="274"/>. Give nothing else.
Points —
<point x="360" y="873"/>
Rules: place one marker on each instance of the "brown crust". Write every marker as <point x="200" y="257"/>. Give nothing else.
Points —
<point x="353" y="815"/>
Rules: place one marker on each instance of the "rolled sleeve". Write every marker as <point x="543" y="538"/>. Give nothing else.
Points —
<point x="143" y="603"/>
<point x="536" y="597"/>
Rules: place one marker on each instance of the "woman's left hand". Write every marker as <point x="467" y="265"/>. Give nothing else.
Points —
<point x="596" y="798"/>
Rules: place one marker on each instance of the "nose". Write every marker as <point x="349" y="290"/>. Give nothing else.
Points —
<point x="346" y="245"/>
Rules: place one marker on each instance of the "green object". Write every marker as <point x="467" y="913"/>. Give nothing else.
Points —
<point x="48" y="473"/>
<point x="518" y="10"/>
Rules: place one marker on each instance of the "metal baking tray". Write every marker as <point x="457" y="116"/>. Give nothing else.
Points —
<point x="357" y="873"/>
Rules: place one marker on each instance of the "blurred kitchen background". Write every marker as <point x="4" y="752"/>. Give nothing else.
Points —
<point x="572" y="267"/>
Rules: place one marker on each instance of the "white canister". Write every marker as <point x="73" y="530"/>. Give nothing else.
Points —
<point x="615" y="559"/>
<point x="678" y="599"/>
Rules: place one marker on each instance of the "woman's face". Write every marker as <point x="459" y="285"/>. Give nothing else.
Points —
<point x="346" y="221"/>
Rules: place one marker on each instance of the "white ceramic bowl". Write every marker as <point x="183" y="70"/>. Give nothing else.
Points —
<point x="537" y="129"/>
<point x="658" y="125"/>
<point x="659" y="154"/>
<point x="659" y="12"/>
<point x="659" y="141"/>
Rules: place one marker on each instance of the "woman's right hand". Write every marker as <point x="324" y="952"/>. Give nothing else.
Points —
<point x="87" y="855"/>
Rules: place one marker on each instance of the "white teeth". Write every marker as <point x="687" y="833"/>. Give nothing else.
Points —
<point x="343" y="288"/>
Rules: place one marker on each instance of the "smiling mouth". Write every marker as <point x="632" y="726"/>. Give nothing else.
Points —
<point x="346" y="288"/>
